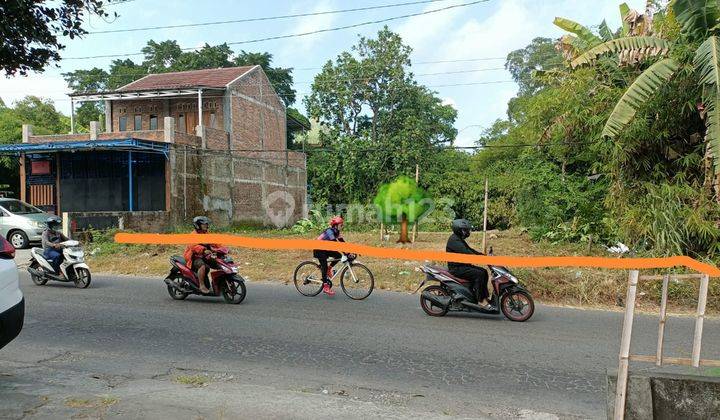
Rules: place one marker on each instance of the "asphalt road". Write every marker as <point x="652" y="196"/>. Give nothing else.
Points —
<point x="383" y="350"/>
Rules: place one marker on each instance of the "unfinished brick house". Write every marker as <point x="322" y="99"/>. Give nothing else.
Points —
<point x="175" y="145"/>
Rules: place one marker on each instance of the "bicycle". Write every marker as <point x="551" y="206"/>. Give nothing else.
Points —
<point x="357" y="285"/>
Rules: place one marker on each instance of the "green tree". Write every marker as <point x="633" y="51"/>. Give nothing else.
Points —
<point x="380" y="122"/>
<point x="280" y="78"/>
<point x="523" y="64"/>
<point x="30" y="30"/>
<point x="699" y="21"/>
<point x="401" y="201"/>
<point x="93" y="80"/>
<point x="44" y="118"/>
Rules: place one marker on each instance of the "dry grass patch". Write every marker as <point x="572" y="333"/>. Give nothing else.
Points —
<point x="193" y="380"/>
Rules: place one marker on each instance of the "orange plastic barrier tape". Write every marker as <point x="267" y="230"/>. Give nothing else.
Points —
<point x="419" y="255"/>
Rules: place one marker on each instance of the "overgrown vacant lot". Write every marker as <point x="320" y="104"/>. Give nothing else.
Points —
<point x="564" y="286"/>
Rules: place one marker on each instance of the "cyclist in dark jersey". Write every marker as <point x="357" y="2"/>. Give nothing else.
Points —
<point x="332" y="233"/>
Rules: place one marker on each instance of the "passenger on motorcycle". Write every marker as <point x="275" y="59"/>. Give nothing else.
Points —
<point x="332" y="233"/>
<point x="195" y="254"/>
<point x="51" y="239"/>
<point x="477" y="275"/>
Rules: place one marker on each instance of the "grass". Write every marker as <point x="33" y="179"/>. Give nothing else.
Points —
<point x="193" y="380"/>
<point x="102" y="401"/>
<point x="586" y="287"/>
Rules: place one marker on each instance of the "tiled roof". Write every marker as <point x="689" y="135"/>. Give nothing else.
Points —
<point x="211" y="78"/>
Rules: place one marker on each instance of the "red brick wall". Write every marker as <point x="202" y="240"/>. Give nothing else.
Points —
<point x="216" y="139"/>
<point x="154" y="135"/>
<point x="212" y="103"/>
<point x="257" y="114"/>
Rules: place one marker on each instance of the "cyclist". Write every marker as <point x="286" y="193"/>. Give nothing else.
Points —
<point x="332" y="233"/>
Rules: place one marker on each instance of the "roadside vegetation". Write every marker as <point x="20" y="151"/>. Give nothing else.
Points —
<point x="578" y="287"/>
<point x="614" y="136"/>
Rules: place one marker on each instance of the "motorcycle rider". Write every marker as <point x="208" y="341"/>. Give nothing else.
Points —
<point x="51" y="239"/>
<point x="478" y="276"/>
<point x="195" y="254"/>
<point x="332" y="233"/>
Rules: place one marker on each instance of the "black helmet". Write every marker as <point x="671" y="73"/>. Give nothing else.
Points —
<point x="200" y="220"/>
<point x="53" y="222"/>
<point x="461" y="228"/>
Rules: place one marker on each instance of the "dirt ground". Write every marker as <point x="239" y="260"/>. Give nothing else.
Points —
<point x="579" y="287"/>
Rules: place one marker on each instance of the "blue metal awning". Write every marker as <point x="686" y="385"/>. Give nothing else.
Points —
<point x="129" y="144"/>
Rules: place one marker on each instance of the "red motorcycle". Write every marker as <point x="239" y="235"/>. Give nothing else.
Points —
<point x="224" y="277"/>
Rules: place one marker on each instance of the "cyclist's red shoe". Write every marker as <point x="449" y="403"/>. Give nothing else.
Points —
<point x="328" y="290"/>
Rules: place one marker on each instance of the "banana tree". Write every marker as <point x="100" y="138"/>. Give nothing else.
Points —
<point x="700" y="24"/>
<point x="581" y="38"/>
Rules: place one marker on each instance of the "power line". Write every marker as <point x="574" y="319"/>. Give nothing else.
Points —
<point x="300" y="34"/>
<point x="265" y="18"/>
<point x="120" y="76"/>
<point x="491" y="82"/>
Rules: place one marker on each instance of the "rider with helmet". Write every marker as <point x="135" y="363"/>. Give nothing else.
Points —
<point x="51" y="239"/>
<point x="195" y="254"/>
<point x="332" y="233"/>
<point x="478" y="276"/>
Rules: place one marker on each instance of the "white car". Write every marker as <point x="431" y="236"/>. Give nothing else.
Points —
<point x="12" y="302"/>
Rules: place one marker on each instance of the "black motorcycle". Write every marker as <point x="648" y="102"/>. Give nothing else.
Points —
<point x="455" y="294"/>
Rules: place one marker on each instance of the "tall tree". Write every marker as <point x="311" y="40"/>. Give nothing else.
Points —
<point x="524" y="63"/>
<point x="281" y="78"/>
<point x="380" y="121"/>
<point x="45" y="119"/>
<point x="29" y="31"/>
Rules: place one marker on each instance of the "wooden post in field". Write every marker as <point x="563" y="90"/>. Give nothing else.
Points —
<point x="700" y="316"/>
<point x="415" y="225"/>
<point x="663" y="318"/>
<point x="484" y="243"/>
<point x="382" y="231"/>
<point x="622" y="375"/>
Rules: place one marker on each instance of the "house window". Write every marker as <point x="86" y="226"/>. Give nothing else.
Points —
<point x="181" y="123"/>
<point x="153" y="122"/>
<point x="212" y="120"/>
<point x="122" y="122"/>
<point x="138" y="123"/>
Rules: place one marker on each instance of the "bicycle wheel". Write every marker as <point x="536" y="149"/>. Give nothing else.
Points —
<point x="357" y="281"/>
<point x="308" y="278"/>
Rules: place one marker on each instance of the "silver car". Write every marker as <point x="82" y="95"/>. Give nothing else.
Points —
<point x="21" y="223"/>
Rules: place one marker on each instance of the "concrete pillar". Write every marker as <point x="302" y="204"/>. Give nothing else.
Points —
<point x="26" y="133"/>
<point x="169" y="128"/>
<point x="200" y="132"/>
<point x="108" y="116"/>
<point x="94" y="130"/>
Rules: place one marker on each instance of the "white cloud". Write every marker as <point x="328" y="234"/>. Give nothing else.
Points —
<point x="45" y="86"/>
<point x="304" y="44"/>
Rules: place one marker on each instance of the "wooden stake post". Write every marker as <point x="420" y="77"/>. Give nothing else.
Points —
<point x="622" y="375"/>
<point x="663" y="318"/>
<point x="415" y="225"/>
<point x="659" y="359"/>
<point x="484" y="243"/>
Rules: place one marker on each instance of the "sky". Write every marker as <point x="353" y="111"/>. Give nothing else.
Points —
<point x="485" y="33"/>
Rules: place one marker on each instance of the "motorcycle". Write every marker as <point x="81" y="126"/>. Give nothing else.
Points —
<point x="72" y="269"/>
<point x="455" y="294"/>
<point x="224" y="278"/>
